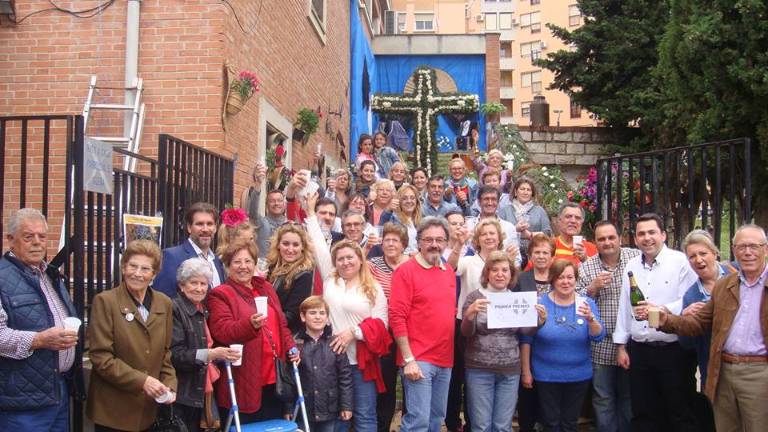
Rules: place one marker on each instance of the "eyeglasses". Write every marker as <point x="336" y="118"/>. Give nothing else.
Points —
<point x="352" y="224"/>
<point x="429" y="240"/>
<point x="753" y="247"/>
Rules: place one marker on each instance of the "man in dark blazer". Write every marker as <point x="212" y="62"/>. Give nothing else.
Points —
<point x="201" y="220"/>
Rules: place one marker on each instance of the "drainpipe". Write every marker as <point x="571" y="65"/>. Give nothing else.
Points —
<point x="131" y="54"/>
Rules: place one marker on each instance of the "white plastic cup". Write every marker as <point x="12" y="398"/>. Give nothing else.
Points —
<point x="72" y="323"/>
<point x="239" y="349"/>
<point x="261" y="305"/>
<point x="577" y="240"/>
<point x="580" y="300"/>
<point x="165" y="397"/>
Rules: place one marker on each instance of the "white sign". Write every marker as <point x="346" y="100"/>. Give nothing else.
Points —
<point x="512" y="309"/>
<point x="97" y="173"/>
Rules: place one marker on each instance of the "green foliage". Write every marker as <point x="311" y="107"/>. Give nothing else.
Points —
<point x="492" y="108"/>
<point x="308" y="120"/>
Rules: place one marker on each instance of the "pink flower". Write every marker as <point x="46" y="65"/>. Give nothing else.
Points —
<point x="233" y="217"/>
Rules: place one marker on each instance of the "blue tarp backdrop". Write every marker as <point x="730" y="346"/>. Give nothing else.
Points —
<point x="362" y="61"/>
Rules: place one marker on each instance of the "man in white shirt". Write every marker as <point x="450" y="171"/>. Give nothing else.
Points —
<point x="661" y="388"/>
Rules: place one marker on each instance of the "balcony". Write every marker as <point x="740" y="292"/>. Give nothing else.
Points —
<point x="506" y="63"/>
<point x="507" y="35"/>
<point x="507" y="92"/>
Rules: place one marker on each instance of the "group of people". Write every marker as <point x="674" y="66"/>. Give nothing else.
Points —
<point x="397" y="285"/>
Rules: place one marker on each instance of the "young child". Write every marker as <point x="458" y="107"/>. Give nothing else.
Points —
<point x="326" y="377"/>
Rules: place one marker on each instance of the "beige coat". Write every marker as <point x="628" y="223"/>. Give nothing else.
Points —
<point x="718" y="315"/>
<point x="123" y="354"/>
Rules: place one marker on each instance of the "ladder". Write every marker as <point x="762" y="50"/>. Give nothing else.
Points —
<point x="133" y="105"/>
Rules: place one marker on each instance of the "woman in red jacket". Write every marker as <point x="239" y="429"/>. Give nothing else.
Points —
<point x="235" y="320"/>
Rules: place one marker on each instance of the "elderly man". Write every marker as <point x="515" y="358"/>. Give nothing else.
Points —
<point x="200" y="219"/>
<point x="37" y="355"/>
<point x="737" y="314"/>
<point x="660" y="386"/>
<point x="570" y="218"/>
<point x="422" y="311"/>
<point x="434" y="205"/>
<point x="600" y="278"/>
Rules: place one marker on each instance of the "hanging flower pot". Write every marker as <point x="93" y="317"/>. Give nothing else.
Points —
<point x="234" y="103"/>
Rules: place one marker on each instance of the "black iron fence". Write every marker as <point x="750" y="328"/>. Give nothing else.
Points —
<point x="707" y="186"/>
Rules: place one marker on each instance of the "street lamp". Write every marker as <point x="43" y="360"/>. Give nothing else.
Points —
<point x="558" y="112"/>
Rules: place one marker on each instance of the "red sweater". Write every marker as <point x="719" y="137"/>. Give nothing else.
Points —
<point x="422" y="307"/>
<point x="231" y="306"/>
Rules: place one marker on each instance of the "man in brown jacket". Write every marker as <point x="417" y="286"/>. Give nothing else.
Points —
<point x="738" y="317"/>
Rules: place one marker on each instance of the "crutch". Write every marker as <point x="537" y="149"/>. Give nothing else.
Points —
<point x="300" y="400"/>
<point x="233" y="412"/>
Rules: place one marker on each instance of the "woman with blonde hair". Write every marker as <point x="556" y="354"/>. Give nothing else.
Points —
<point x="340" y="187"/>
<point x="291" y="269"/>
<point x="398" y="174"/>
<point x="383" y="200"/>
<point x="358" y="315"/>
<point x="407" y="214"/>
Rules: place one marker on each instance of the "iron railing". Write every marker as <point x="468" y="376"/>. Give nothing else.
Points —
<point x="698" y="186"/>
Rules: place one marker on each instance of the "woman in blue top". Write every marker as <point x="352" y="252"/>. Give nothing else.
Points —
<point x="561" y="357"/>
<point x="702" y="256"/>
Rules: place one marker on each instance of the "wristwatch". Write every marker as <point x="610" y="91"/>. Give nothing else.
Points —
<point x="408" y="359"/>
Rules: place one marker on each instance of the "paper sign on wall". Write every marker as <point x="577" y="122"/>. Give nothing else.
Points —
<point x="97" y="173"/>
<point x="512" y="309"/>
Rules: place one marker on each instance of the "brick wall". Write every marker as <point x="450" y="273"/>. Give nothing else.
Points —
<point x="492" y="74"/>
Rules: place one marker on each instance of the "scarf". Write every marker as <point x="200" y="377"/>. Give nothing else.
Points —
<point x="212" y="373"/>
<point x="522" y="209"/>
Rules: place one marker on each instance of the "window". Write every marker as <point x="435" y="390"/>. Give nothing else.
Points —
<point x="425" y="21"/>
<point x="316" y="11"/>
<point x="531" y="79"/>
<point x="529" y="49"/>
<point x="505" y="21"/>
<point x="525" y="109"/>
<point x="507" y="79"/>
<point x="535" y="2"/>
<point x="575" y="110"/>
<point x="532" y="20"/>
<point x="401" y="22"/>
<point x="491" y="22"/>
<point x="574" y="15"/>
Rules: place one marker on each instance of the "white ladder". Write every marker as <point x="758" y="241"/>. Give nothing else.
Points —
<point x="133" y="104"/>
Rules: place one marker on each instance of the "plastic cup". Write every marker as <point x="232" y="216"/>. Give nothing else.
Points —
<point x="653" y="316"/>
<point x="577" y="240"/>
<point x="72" y="323"/>
<point x="165" y="397"/>
<point x="239" y="349"/>
<point x="261" y="305"/>
<point x="580" y="300"/>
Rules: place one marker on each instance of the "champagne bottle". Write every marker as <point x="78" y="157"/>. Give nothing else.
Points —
<point x="635" y="295"/>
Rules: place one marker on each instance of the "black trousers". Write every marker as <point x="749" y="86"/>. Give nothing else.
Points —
<point x="560" y="404"/>
<point x="271" y="409"/>
<point x="457" y="391"/>
<point x="662" y="387"/>
<point x="527" y="408"/>
<point x="387" y="402"/>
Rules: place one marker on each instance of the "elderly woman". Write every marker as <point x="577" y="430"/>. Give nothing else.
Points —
<point x="528" y="217"/>
<point x="398" y="174"/>
<point x="495" y="162"/>
<point x="702" y="255"/>
<point x="383" y="200"/>
<point x="561" y="356"/>
<point x="130" y="338"/>
<point x="492" y="356"/>
<point x="358" y="314"/>
<point x="192" y="351"/>
<point x="234" y="319"/>
<point x="407" y="214"/>
<point x="291" y="270"/>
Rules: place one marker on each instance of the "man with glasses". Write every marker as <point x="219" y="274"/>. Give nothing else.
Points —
<point x="661" y="385"/>
<point x="488" y="197"/>
<point x="737" y="314"/>
<point x="434" y="205"/>
<point x="422" y="311"/>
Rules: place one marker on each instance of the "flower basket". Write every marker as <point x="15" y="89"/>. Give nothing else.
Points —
<point x="234" y="103"/>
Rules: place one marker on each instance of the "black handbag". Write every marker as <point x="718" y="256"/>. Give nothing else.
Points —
<point x="167" y="421"/>
<point x="285" y="385"/>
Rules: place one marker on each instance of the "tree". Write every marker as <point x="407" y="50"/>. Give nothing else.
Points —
<point x="609" y="69"/>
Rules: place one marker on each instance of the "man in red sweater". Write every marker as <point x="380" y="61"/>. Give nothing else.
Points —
<point x="422" y="309"/>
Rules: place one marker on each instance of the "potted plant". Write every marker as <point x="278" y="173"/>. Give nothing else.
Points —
<point x="492" y="110"/>
<point x="306" y="124"/>
<point x="240" y="90"/>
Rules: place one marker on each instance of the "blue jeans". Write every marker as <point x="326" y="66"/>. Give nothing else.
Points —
<point x="492" y="399"/>
<point x="427" y="399"/>
<point x="611" y="398"/>
<point x="364" y="408"/>
<point x="49" y="419"/>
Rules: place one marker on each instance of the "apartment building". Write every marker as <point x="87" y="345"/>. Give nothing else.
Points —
<point x="523" y="35"/>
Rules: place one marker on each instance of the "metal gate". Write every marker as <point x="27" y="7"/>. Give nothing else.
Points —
<point x="706" y="186"/>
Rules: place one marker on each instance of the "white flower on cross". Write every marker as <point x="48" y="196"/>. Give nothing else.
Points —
<point x="386" y="104"/>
